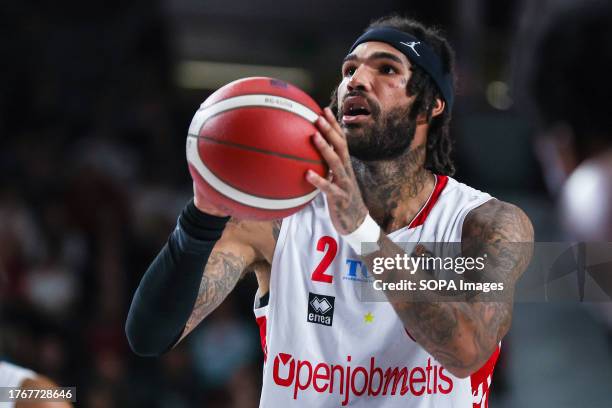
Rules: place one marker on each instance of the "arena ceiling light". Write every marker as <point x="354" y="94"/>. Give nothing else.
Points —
<point x="212" y="75"/>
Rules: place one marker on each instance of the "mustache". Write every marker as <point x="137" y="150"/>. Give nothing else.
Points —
<point x="374" y="107"/>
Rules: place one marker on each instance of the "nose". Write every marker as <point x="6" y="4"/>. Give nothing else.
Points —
<point x="360" y="80"/>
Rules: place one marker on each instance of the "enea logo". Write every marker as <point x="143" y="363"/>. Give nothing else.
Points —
<point x="357" y="271"/>
<point x="320" y="309"/>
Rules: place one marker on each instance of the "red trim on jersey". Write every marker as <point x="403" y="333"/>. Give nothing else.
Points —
<point x="481" y="381"/>
<point x="421" y="216"/>
<point x="262" y="323"/>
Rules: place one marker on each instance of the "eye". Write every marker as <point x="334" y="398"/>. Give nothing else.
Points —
<point x="388" y="69"/>
<point x="348" y="70"/>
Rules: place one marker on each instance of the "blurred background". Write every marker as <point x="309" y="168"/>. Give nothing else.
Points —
<point x="95" y="101"/>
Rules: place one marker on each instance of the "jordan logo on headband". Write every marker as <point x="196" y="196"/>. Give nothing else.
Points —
<point x="412" y="45"/>
<point x="425" y="57"/>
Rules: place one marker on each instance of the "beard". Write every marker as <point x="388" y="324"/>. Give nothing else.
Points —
<point x="388" y="138"/>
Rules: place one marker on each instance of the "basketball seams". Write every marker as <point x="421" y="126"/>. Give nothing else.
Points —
<point x="256" y="149"/>
<point x="247" y="106"/>
<point x="238" y="195"/>
<point x="201" y="108"/>
<point x="250" y="100"/>
<point x="243" y="194"/>
<point x="240" y="188"/>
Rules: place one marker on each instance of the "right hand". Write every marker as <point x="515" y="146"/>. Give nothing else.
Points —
<point x="206" y="206"/>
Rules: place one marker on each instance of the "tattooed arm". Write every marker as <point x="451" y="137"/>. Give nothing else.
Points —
<point x="463" y="335"/>
<point x="192" y="271"/>
<point x="243" y="244"/>
<point x="460" y="335"/>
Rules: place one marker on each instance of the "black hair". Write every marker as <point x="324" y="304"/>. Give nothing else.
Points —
<point x="439" y="143"/>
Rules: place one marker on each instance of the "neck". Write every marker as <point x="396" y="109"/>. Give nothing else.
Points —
<point x="394" y="190"/>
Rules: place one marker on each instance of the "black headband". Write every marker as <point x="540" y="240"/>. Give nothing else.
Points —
<point x="417" y="52"/>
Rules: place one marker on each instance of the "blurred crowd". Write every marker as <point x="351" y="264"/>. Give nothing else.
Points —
<point x="93" y="177"/>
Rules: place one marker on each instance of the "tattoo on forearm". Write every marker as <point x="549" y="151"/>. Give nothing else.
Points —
<point x="440" y="326"/>
<point x="222" y="272"/>
<point x="225" y="268"/>
<point x="462" y="335"/>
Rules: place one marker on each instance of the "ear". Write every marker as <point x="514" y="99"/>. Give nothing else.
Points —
<point x="439" y="108"/>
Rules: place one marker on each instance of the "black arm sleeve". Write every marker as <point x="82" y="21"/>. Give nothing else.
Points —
<point x="168" y="290"/>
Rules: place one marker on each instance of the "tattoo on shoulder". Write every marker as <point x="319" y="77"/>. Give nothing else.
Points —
<point x="504" y="232"/>
<point x="448" y="329"/>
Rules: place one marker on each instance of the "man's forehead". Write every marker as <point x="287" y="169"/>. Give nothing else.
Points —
<point x="368" y="49"/>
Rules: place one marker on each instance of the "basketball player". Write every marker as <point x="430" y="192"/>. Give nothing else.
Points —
<point x="388" y="150"/>
<point x="14" y="377"/>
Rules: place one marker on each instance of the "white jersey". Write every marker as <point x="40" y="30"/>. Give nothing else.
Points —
<point x="324" y="347"/>
<point x="12" y="376"/>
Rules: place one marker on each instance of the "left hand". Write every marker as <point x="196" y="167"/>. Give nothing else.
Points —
<point x="346" y="207"/>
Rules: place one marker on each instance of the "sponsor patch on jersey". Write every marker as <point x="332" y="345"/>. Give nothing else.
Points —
<point x="356" y="271"/>
<point x="320" y="309"/>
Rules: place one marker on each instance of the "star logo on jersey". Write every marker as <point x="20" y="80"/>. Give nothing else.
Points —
<point x="368" y="318"/>
<point x="320" y="309"/>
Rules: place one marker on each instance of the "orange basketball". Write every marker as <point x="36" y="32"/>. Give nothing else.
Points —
<point x="249" y="147"/>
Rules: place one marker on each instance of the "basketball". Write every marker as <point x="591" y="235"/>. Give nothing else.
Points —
<point x="249" y="147"/>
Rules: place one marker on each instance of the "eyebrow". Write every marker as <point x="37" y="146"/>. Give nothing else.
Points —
<point x="375" y="56"/>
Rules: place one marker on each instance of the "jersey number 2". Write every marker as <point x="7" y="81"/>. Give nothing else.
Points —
<point x="328" y="245"/>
